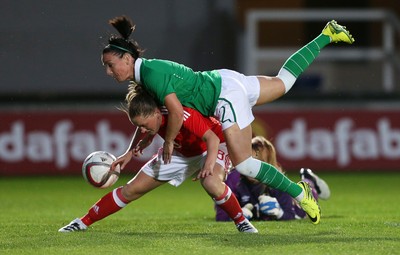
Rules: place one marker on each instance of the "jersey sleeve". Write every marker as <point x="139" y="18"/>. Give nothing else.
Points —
<point x="195" y="122"/>
<point x="157" y="77"/>
<point x="157" y="87"/>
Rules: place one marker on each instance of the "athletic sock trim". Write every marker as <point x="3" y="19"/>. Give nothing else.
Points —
<point x="118" y="198"/>
<point x="224" y="197"/>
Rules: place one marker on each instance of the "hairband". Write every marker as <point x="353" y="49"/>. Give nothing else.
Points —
<point x="120" y="48"/>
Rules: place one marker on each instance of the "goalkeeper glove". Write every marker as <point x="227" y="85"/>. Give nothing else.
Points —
<point x="247" y="211"/>
<point x="270" y="206"/>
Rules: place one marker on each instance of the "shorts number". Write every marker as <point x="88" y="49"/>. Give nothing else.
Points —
<point x="225" y="158"/>
<point x="221" y="155"/>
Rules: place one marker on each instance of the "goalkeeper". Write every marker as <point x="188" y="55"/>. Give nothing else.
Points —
<point x="260" y="202"/>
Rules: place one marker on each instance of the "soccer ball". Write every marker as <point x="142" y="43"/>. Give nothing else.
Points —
<point x="96" y="169"/>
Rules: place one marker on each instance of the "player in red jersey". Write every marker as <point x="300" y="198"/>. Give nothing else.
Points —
<point x="190" y="157"/>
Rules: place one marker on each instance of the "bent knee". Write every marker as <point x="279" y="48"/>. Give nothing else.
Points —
<point x="130" y="192"/>
<point x="213" y="185"/>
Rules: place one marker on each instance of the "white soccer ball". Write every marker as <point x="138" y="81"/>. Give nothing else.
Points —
<point x="96" y="169"/>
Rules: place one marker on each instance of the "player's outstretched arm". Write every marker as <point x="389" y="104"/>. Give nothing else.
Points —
<point x="137" y="137"/>
<point x="142" y="144"/>
<point x="138" y="143"/>
<point x="175" y="120"/>
<point x="122" y="161"/>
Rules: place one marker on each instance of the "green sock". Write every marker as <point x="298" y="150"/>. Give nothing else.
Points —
<point x="271" y="176"/>
<point x="299" y="61"/>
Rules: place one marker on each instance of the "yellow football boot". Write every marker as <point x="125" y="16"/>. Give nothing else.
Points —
<point x="337" y="33"/>
<point x="309" y="204"/>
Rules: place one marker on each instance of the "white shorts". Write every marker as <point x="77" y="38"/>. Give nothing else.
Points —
<point x="239" y="93"/>
<point x="181" y="167"/>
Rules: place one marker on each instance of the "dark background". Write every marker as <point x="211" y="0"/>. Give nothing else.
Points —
<point x="50" y="50"/>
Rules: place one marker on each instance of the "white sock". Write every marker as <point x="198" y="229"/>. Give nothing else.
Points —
<point x="287" y="78"/>
<point x="300" y="196"/>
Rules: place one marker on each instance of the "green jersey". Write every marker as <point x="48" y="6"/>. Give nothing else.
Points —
<point x="197" y="90"/>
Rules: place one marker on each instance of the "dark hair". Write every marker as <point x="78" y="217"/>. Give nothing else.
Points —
<point x="138" y="102"/>
<point x="122" y="44"/>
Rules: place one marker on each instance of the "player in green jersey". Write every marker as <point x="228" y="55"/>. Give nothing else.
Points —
<point x="225" y="94"/>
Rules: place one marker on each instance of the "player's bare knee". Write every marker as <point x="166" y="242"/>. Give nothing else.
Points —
<point x="213" y="186"/>
<point x="130" y="193"/>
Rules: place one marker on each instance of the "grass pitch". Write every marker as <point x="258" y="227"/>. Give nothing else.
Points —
<point x="362" y="217"/>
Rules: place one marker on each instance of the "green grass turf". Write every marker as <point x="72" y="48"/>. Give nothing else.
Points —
<point x="362" y="217"/>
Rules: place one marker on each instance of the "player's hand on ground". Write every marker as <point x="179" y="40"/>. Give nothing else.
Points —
<point x="122" y="160"/>
<point x="168" y="148"/>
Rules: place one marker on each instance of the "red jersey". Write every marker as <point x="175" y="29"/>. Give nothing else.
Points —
<point x="189" y="140"/>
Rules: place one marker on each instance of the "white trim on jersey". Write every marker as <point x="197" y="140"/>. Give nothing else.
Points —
<point x="186" y="115"/>
<point x="164" y="110"/>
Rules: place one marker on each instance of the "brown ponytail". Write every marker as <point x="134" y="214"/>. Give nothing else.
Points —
<point x="122" y="44"/>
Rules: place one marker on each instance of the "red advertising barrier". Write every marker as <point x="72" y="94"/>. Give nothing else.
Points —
<point x="56" y="142"/>
<point x="330" y="139"/>
<point x="39" y="142"/>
